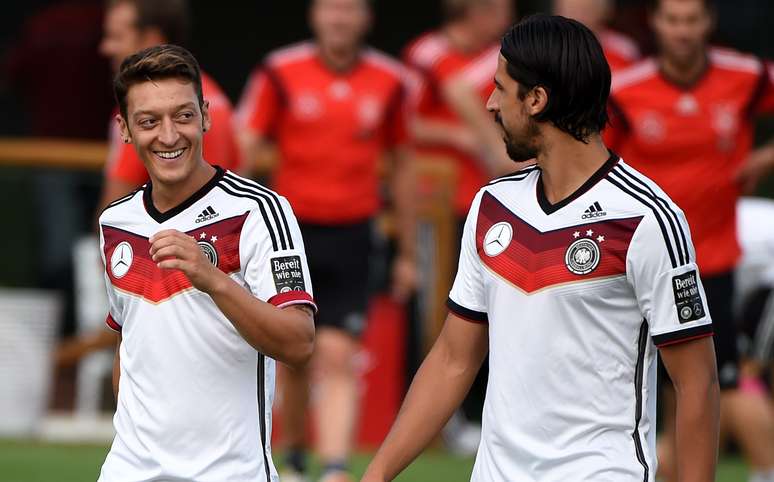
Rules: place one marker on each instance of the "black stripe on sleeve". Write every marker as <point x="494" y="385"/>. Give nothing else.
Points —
<point x="257" y="188"/>
<point x="244" y="192"/>
<point x="655" y="214"/>
<point x="639" y="374"/>
<point x="262" y="412"/>
<point x="673" y="337"/>
<point x="665" y="207"/>
<point x="466" y="313"/>
<point x="260" y="202"/>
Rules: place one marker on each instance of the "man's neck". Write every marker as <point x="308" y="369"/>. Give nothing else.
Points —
<point x="684" y="73"/>
<point x="167" y="196"/>
<point x="463" y="38"/>
<point x="566" y="164"/>
<point x="339" y="60"/>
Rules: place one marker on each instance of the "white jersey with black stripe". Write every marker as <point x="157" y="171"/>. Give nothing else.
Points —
<point x="195" y="398"/>
<point x="577" y="295"/>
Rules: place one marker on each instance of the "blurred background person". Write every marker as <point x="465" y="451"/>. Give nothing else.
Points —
<point x="455" y="65"/>
<point x="620" y="50"/>
<point x="333" y="107"/>
<point x="754" y="292"/>
<point x="684" y="118"/>
<point x="130" y="26"/>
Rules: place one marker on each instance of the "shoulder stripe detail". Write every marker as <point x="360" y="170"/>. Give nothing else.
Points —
<point x="666" y="208"/>
<point x="384" y="61"/>
<point x="254" y="187"/>
<point x="516" y="176"/>
<point x="291" y="53"/>
<point x="427" y="50"/>
<point x="261" y="207"/>
<point x="122" y="200"/>
<point x="656" y="214"/>
<point x="730" y="59"/>
<point x="636" y="73"/>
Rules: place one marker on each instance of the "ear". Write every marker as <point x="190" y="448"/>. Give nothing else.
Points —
<point x="126" y="135"/>
<point x="206" y="122"/>
<point x="537" y="100"/>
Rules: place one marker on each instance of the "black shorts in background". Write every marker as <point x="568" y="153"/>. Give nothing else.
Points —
<point x="339" y="266"/>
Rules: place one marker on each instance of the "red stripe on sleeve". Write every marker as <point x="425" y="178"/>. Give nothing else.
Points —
<point x="288" y="298"/>
<point x="111" y="323"/>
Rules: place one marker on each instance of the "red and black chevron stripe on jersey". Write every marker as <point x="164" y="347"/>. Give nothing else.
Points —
<point x="535" y="260"/>
<point x="146" y="280"/>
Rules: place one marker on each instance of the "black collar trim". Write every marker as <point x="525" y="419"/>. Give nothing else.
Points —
<point x="549" y="208"/>
<point x="160" y="217"/>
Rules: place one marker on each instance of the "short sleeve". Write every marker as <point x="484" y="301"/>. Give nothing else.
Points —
<point x="467" y="298"/>
<point x="260" y="103"/>
<point x="662" y="270"/>
<point x="272" y="253"/>
<point x="113" y="320"/>
<point x="396" y="119"/>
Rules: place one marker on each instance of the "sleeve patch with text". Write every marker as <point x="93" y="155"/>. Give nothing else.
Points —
<point x="288" y="274"/>
<point x="690" y="306"/>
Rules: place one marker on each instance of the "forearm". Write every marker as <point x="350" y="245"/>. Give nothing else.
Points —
<point x="287" y="335"/>
<point x="404" y="200"/>
<point x="697" y="431"/>
<point x="437" y="390"/>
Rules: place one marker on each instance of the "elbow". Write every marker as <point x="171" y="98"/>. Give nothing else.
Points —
<point x="301" y="353"/>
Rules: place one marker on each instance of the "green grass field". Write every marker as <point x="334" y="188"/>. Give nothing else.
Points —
<point x="44" y="462"/>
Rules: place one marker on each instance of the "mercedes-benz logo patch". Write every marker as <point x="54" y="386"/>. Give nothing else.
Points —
<point x="121" y="259"/>
<point x="209" y="251"/>
<point x="582" y="257"/>
<point x="497" y="238"/>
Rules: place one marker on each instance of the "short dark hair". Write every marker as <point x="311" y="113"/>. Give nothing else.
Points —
<point x="564" y="57"/>
<point x="159" y="62"/>
<point x="171" y="17"/>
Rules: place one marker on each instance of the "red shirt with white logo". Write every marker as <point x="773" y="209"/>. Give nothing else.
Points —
<point x="330" y="128"/>
<point x="438" y="61"/>
<point x="219" y="144"/>
<point x="691" y="140"/>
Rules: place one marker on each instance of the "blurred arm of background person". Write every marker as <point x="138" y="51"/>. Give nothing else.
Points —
<point x="760" y="162"/>
<point x="403" y="191"/>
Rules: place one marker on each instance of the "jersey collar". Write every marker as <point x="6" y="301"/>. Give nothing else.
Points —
<point x="160" y="217"/>
<point x="549" y="208"/>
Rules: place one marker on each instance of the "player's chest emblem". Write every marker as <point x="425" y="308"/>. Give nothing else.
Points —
<point x="308" y="106"/>
<point x="369" y="112"/>
<point x="207" y="245"/>
<point x="498" y="238"/>
<point x="650" y="127"/>
<point x="583" y="255"/>
<point x="121" y="260"/>
<point x="726" y="124"/>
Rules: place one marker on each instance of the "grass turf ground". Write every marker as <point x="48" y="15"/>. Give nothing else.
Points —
<point x="26" y="461"/>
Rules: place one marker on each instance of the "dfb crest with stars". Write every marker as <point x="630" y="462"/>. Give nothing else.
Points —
<point x="583" y="255"/>
<point x="208" y="247"/>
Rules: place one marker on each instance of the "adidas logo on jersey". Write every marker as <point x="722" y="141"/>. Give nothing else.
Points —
<point x="593" y="211"/>
<point x="206" y="215"/>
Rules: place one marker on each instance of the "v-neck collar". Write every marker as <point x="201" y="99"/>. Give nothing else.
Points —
<point x="160" y="217"/>
<point x="549" y="208"/>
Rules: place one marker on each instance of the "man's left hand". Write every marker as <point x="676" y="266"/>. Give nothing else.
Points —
<point x="404" y="277"/>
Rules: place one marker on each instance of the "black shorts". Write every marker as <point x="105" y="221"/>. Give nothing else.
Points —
<point x="339" y="258"/>
<point x="757" y="325"/>
<point x="720" y="295"/>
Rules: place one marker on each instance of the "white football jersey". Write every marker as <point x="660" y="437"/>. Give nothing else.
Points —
<point x="194" y="400"/>
<point x="576" y="295"/>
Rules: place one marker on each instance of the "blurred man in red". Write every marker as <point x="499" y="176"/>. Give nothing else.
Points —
<point x="130" y="26"/>
<point x="620" y="50"/>
<point x="685" y="119"/>
<point x="333" y="108"/>
<point x="455" y="65"/>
